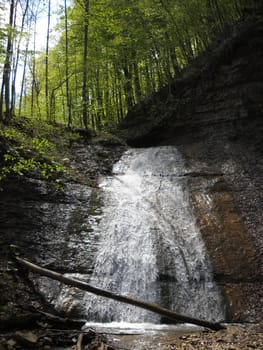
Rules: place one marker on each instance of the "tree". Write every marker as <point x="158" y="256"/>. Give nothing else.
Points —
<point x="85" y="95"/>
<point x="18" y="49"/>
<point x="67" y="65"/>
<point x="117" y="53"/>
<point x="47" y="61"/>
<point x="6" y="115"/>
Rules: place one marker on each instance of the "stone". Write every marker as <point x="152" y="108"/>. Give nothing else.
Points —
<point x="26" y="338"/>
<point x="11" y="343"/>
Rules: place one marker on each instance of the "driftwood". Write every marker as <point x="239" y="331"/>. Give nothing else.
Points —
<point x="79" y="342"/>
<point x="121" y="298"/>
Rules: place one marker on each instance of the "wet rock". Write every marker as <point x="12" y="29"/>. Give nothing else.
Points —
<point x="53" y="228"/>
<point x="28" y="339"/>
<point x="214" y="117"/>
<point x="11" y="343"/>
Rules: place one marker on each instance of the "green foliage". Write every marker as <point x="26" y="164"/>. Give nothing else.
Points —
<point x="134" y="48"/>
<point x="25" y="153"/>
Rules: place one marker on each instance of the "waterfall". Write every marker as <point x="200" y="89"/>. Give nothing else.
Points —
<point x="150" y="246"/>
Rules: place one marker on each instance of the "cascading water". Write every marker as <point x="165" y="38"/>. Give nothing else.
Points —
<point x="150" y="245"/>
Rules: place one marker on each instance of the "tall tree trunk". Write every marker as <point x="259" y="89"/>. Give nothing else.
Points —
<point x="121" y="104"/>
<point x="100" y="115"/>
<point x="108" y="88"/>
<point x="119" y="92"/>
<point x="5" y="89"/>
<point x="128" y="84"/>
<point x="67" y="66"/>
<point x="47" y="62"/>
<point x="13" y="97"/>
<point x="23" y="77"/>
<point x="149" y="81"/>
<point x="85" y="95"/>
<point x="15" y="48"/>
<point x="77" y="96"/>
<point x="33" y="83"/>
<point x="136" y="80"/>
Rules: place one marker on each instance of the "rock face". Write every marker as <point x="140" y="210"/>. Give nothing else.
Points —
<point x="53" y="228"/>
<point x="213" y="114"/>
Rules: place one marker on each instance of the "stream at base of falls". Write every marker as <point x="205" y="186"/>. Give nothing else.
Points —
<point x="149" y="245"/>
<point x="141" y="336"/>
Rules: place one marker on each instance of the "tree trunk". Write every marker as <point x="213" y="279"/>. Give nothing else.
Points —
<point x="47" y="62"/>
<point x="128" y="84"/>
<point x="85" y="95"/>
<point x="33" y="70"/>
<point x="136" y="80"/>
<point x="132" y="301"/>
<point x="67" y="66"/>
<point x="23" y="82"/>
<point x="99" y="97"/>
<point x="13" y="98"/>
<point x="5" y="89"/>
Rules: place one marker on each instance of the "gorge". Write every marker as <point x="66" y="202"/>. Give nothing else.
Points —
<point x="210" y="124"/>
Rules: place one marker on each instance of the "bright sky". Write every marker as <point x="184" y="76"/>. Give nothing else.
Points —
<point x="41" y="26"/>
<point x="43" y="22"/>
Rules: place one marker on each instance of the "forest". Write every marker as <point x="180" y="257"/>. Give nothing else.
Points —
<point x="94" y="62"/>
<point x="101" y="57"/>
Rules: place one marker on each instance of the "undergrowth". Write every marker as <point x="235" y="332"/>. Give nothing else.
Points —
<point x="33" y="147"/>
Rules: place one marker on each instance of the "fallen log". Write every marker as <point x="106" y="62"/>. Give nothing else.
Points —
<point x="79" y="342"/>
<point x="121" y="298"/>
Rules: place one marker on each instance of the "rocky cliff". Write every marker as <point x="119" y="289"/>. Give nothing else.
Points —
<point x="213" y="114"/>
<point x="54" y="228"/>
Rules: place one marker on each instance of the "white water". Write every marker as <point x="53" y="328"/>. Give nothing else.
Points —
<point x="150" y="245"/>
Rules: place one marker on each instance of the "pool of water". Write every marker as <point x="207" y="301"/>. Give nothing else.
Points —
<point x="141" y="336"/>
